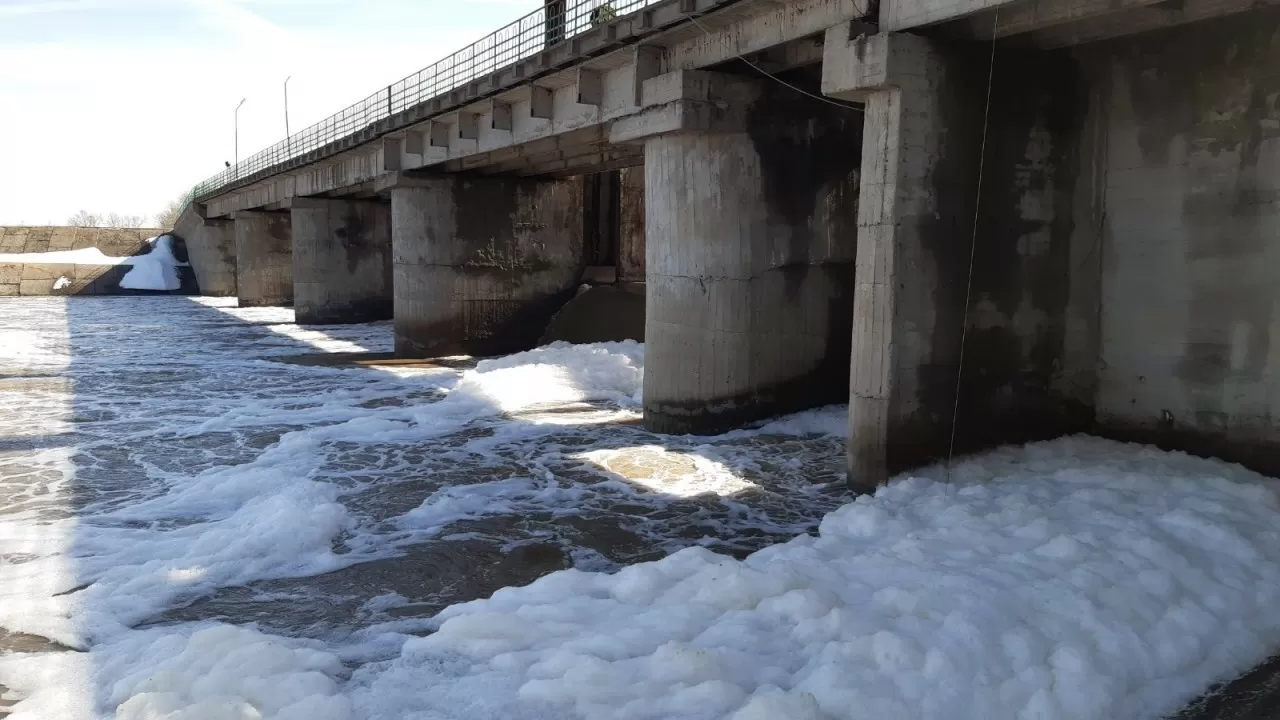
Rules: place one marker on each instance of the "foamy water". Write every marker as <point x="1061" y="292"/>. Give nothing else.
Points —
<point x="161" y="470"/>
<point x="191" y="529"/>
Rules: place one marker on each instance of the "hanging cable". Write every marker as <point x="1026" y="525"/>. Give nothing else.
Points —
<point x="973" y="243"/>
<point x="777" y="79"/>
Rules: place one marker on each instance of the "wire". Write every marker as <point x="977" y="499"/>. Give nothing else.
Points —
<point x="973" y="243"/>
<point x="777" y="79"/>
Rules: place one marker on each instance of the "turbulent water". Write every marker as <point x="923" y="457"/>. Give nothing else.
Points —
<point x="165" y="468"/>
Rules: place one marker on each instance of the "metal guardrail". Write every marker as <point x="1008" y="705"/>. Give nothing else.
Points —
<point x="555" y="22"/>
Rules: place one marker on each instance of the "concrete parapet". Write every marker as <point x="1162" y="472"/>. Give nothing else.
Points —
<point x="264" y="258"/>
<point x="481" y="264"/>
<point x="341" y="260"/>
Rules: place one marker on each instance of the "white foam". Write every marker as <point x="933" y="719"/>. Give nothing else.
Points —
<point x="1073" y="579"/>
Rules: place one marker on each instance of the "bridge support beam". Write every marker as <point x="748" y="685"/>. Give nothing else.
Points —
<point x="750" y="202"/>
<point x="264" y="258"/>
<point x="631" y="225"/>
<point x="921" y="137"/>
<point x="211" y="248"/>
<point x="967" y="316"/>
<point x="481" y="264"/>
<point x="341" y="260"/>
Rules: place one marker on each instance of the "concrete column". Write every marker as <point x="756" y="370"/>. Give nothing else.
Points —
<point x="751" y="197"/>
<point x="631" y="226"/>
<point x="211" y="250"/>
<point x="341" y="261"/>
<point x="922" y="139"/>
<point x="481" y="264"/>
<point x="264" y="258"/>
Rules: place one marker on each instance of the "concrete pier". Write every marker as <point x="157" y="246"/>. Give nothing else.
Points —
<point x="211" y="248"/>
<point x="341" y="260"/>
<point x="481" y="264"/>
<point x="631" y="225"/>
<point x="750" y="245"/>
<point x="264" y="258"/>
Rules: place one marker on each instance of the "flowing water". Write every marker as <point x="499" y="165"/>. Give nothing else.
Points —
<point x="167" y="462"/>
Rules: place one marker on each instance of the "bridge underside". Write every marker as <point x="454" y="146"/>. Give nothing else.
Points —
<point x="977" y="221"/>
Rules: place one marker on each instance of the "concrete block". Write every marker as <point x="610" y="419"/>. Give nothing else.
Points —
<point x="62" y="238"/>
<point x="10" y="273"/>
<point x="10" y="289"/>
<point x="36" y="287"/>
<point x="40" y="271"/>
<point x="481" y="264"/>
<point x="341" y="261"/>
<point x="264" y="254"/>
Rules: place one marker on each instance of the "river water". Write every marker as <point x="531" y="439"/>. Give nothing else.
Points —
<point x="167" y="463"/>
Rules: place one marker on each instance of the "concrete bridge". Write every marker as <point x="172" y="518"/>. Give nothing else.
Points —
<point x="977" y="221"/>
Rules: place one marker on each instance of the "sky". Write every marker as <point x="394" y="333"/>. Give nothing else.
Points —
<point x="122" y="105"/>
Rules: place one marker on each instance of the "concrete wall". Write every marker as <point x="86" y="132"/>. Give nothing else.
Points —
<point x="211" y="247"/>
<point x="118" y="242"/>
<point x="37" y="279"/>
<point x="481" y="264"/>
<point x="1187" y="157"/>
<point x="341" y="260"/>
<point x="264" y="258"/>
<point x="1030" y="348"/>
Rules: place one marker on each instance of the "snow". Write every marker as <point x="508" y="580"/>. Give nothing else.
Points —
<point x="84" y="256"/>
<point x="1073" y="579"/>
<point x="156" y="270"/>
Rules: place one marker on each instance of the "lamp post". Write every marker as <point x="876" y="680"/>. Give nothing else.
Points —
<point x="286" y="105"/>
<point x="237" y="131"/>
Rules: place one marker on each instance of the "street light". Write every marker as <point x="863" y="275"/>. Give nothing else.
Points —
<point x="286" y="105"/>
<point x="237" y="126"/>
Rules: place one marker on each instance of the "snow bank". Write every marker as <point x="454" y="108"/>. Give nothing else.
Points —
<point x="84" y="256"/>
<point x="1073" y="579"/>
<point x="156" y="270"/>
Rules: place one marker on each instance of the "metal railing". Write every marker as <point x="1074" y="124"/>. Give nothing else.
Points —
<point x="556" y="22"/>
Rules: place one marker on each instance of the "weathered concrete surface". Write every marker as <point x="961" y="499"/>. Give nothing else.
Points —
<point x="118" y="242"/>
<point x="1126" y="244"/>
<point x="750" y="243"/>
<point x="43" y="278"/>
<point x="921" y="138"/>
<point x="481" y="264"/>
<point x="264" y="258"/>
<point x="1188" y="160"/>
<point x="603" y="313"/>
<point x="1028" y="325"/>
<point x="631" y="225"/>
<point x="341" y="261"/>
<point x="211" y="246"/>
